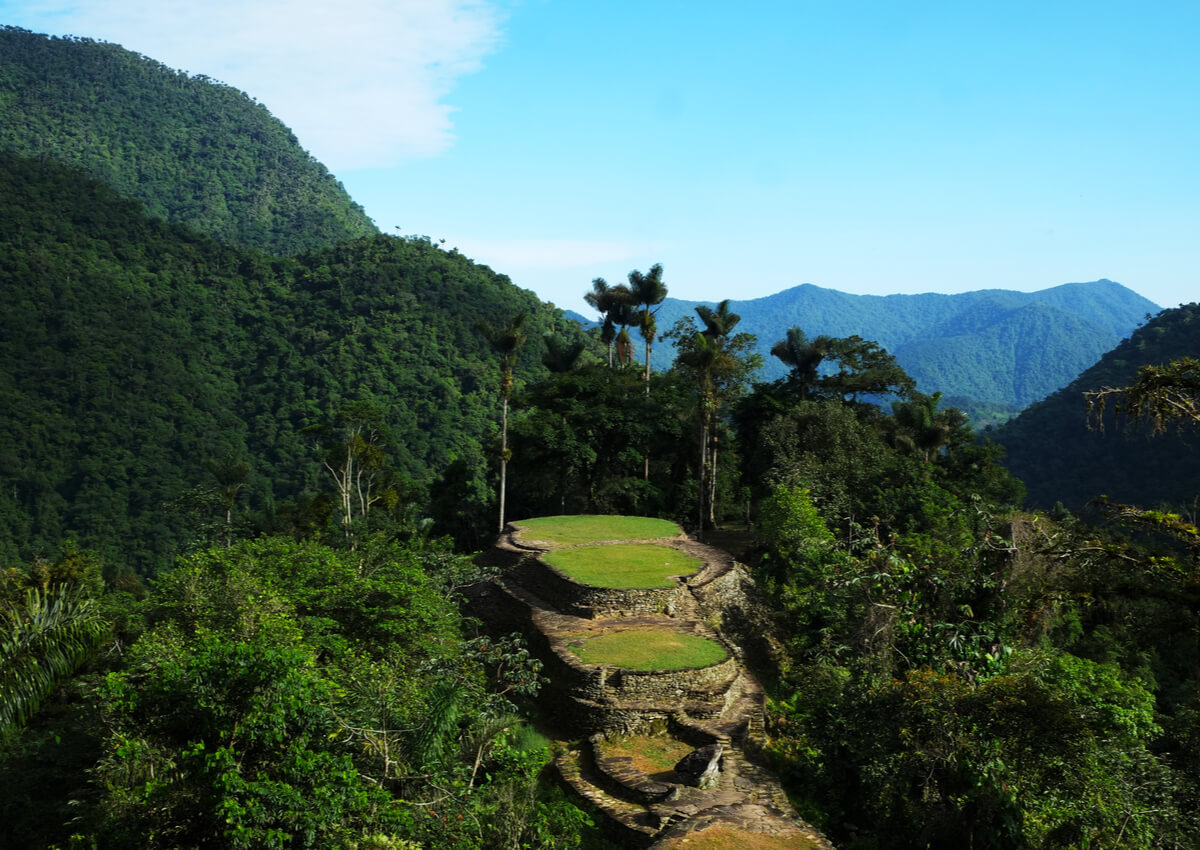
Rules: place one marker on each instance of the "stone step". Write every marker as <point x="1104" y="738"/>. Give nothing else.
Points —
<point x="639" y="824"/>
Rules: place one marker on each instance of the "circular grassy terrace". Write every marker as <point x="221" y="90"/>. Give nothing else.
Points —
<point x="654" y="755"/>
<point x="648" y="649"/>
<point x="722" y="837"/>
<point x="624" y="565"/>
<point x="573" y="530"/>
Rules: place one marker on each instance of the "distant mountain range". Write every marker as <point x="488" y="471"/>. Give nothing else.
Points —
<point x="987" y="350"/>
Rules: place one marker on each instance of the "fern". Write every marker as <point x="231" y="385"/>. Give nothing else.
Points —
<point x="430" y="740"/>
<point x="43" y="642"/>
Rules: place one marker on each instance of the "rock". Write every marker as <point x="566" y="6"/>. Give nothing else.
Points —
<point x="702" y="766"/>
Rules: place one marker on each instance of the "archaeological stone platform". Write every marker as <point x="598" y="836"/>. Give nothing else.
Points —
<point x="602" y="704"/>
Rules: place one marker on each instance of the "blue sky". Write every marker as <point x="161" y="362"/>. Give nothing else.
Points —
<point x="871" y="147"/>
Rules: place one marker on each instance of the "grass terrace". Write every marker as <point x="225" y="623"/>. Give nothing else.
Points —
<point x="624" y="565"/>
<point x="574" y="530"/>
<point x="654" y="755"/>
<point x="648" y="649"/>
<point x="723" y="837"/>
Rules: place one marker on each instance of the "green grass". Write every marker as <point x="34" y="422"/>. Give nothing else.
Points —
<point x="654" y="755"/>
<point x="648" y="649"/>
<point x="631" y="565"/>
<point x="721" y="837"/>
<point x="573" y="530"/>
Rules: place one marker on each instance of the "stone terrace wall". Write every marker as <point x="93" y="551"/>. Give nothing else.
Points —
<point x="582" y="600"/>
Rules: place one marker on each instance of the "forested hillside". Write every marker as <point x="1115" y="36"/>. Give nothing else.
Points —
<point x="193" y="150"/>
<point x="137" y="356"/>
<point x="233" y="443"/>
<point x="1061" y="457"/>
<point x="989" y="350"/>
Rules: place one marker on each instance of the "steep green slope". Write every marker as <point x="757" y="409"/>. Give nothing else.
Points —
<point x="1052" y="449"/>
<point x="1013" y="356"/>
<point x="195" y="151"/>
<point x="132" y="350"/>
<point x="985" y="348"/>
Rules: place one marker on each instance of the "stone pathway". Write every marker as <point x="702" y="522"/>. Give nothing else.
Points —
<point x="721" y="703"/>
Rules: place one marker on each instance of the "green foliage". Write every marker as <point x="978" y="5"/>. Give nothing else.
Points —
<point x="46" y="637"/>
<point x="191" y="149"/>
<point x="139" y="363"/>
<point x="580" y="443"/>
<point x="792" y="531"/>
<point x="1060" y="458"/>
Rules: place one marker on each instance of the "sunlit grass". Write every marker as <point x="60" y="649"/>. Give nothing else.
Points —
<point x="573" y="530"/>
<point x="631" y="565"/>
<point x="654" y="755"/>
<point x="724" y="838"/>
<point x="648" y="649"/>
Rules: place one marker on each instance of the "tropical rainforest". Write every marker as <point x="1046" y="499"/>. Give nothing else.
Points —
<point x="248" y="458"/>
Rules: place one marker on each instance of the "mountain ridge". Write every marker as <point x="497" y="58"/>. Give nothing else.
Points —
<point x="193" y="150"/>
<point x="1078" y="321"/>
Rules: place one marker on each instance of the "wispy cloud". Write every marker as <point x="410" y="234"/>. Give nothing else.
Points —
<point x="360" y="82"/>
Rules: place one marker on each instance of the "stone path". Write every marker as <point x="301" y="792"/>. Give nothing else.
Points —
<point x="721" y="703"/>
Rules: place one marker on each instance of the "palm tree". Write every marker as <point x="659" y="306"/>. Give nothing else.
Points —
<point x="803" y="356"/>
<point x="561" y="356"/>
<point x="719" y="323"/>
<point x="507" y="340"/>
<point x="43" y="640"/>
<point x="600" y="300"/>
<point x="648" y="291"/>
<point x="705" y="357"/>
<point x="922" y="429"/>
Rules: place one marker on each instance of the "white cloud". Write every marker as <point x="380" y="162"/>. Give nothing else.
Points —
<point x="360" y="82"/>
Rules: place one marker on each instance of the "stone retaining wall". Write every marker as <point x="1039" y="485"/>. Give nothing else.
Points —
<point x="582" y="600"/>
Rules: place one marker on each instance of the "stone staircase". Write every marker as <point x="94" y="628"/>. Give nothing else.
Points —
<point x="720" y="703"/>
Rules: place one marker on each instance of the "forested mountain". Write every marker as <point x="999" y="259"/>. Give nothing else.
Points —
<point x="133" y="352"/>
<point x="984" y="349"/>
<point x="193" y="150"/>
<point x="1052" y="448"/>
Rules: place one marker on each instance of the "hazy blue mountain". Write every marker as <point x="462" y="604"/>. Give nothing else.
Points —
<point x="987" y="348"/>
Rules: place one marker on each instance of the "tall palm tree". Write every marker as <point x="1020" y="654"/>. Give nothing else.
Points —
<point x="616" y="307"/>
<point x="648" y="291"/>
<point x="719" y="323"/>
<point x="601" y="300"/>
<point x="803" y="356"/>
<point x="706" y="359"/>
<point x="507" y="340"/>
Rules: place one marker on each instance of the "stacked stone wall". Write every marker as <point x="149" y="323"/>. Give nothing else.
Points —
<point x="582" y="600"/>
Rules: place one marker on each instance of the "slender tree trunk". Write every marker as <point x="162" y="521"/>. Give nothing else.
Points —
<point x="646" y="470"/>
<point x="703" y="461"/>
<point x="503" y="459"/>
<point x="712" y="480"/>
